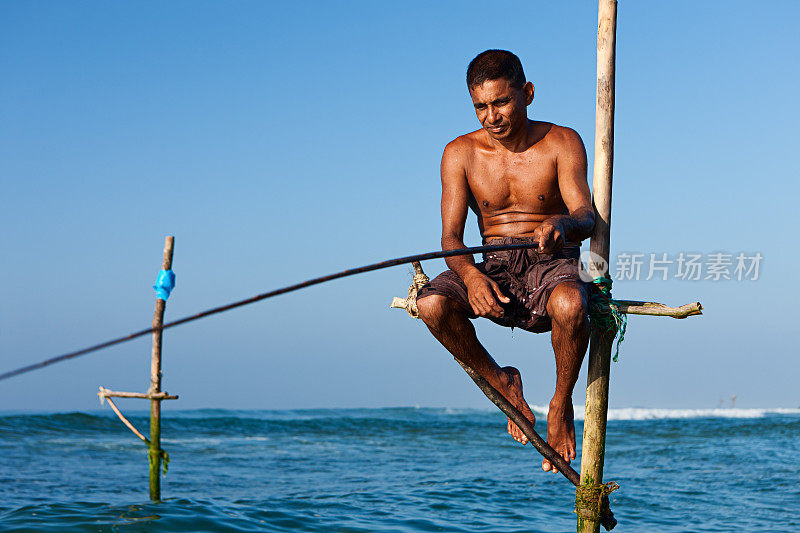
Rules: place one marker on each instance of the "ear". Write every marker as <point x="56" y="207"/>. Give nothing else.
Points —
<point x="527" y="91"/>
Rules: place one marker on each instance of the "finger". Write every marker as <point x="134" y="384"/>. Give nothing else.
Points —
<point x="491" y="306"/>
<point x="547" y="241"/>
<point x="476" y="307"/>
<point x="495" y="314"/>
<point x="481" y="303"/>
<point x="491" y="301"/>
<point x="541" y="241"/>
<point x="496" y="310"/>
<point x="500" y="296"/>
<point x="546" y="466"/>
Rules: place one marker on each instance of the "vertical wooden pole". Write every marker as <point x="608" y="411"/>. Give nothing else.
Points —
<point x="155" y="384"/>
<point x="594" y="426"/>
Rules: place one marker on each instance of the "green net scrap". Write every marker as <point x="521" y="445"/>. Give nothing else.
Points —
<point x="604" y="312"/>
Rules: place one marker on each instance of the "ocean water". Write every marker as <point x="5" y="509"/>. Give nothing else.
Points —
<point x="398" y="470"/>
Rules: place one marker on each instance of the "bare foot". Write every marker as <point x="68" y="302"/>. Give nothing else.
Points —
<point x="513" y="394"/>
<point x="560" y="431"/>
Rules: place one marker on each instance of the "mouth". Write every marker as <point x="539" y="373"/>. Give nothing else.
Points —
<point x="496" y="129"/>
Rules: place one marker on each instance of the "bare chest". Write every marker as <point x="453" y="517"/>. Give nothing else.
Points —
<point x="526" y="182"/>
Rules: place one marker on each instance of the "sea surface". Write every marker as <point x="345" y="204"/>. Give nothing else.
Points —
<point x="398" y="470"/>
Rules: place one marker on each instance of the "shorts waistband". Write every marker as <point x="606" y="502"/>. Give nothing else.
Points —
<point x="508" y="240"/>
<point x="517" y="240"/>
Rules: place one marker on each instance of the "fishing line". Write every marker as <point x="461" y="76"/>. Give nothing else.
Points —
<point x="257" y="298"/>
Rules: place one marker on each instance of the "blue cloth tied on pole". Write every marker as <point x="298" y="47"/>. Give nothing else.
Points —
<point x="165" y="282"/>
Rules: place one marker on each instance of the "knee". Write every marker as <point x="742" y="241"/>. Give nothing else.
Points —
<point x="433" y="309"/>
<point x="568" y="304"/>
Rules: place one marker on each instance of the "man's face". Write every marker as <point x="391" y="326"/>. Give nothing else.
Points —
<point x="501" y="109"/>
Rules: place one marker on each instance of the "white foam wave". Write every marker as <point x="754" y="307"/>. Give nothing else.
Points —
<point x="649" y="413"/>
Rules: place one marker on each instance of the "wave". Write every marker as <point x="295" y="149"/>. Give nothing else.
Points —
<point x="55" y="422"/>
<point x="656" y="413"/>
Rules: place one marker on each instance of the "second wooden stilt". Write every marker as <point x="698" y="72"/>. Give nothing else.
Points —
<point x="155" y="453"/>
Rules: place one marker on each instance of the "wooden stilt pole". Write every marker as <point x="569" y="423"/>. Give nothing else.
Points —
<point x="155" y="384"/>
<point x="594" y="426"/>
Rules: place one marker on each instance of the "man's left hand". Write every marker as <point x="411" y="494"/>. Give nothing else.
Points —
<point x="550" y="236"/>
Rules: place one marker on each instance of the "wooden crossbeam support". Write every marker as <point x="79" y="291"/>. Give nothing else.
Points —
<point x="124" y="420"/>
<point x="105" y="393"/>
<point x="634" y="307"/>
<point x="629" y="307"/>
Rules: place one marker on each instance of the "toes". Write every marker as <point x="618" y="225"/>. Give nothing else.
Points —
<point x="512" y="430"/>
<point x="516" y="432"/>
<point x="566" y="455"/>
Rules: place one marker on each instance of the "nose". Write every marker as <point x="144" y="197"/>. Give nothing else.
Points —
<point x="493" y="116"/>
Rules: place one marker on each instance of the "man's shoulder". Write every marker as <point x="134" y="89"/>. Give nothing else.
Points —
<point x="562" y="136"/>
<point x="459" y="153"/>
<point x="468" y="140"/>
<point x="465" y="143"/>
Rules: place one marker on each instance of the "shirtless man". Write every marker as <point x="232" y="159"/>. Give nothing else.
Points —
<point x="526" y="182"/>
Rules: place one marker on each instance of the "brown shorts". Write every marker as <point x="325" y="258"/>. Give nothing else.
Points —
<point x="525" y="276"/>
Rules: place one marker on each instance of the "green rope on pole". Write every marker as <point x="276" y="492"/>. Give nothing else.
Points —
<point x="164" y="458"/>
<point x="591" y="500"/>
<point x="605" y="313"/>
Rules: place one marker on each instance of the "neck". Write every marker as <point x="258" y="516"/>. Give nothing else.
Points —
<point x="517" y="142"/>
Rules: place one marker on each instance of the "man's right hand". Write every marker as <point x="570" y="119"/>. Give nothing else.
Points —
<point x="483" y="294"/>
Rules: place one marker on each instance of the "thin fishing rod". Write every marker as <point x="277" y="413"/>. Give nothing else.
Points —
<point x="270" y="294"/>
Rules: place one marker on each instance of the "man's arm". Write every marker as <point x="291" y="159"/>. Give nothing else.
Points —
<point x="574" y="189"/>
<point x="482" y="292"/>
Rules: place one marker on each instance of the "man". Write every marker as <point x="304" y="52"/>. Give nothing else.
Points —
<point x="526" y="182"/>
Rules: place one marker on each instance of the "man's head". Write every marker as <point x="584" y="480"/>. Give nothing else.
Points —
<point x="499" y="92"/>
<point x="493" y="65"/>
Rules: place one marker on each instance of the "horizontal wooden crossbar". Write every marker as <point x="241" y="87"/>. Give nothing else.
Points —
<point x="633" y="307"/>
<point x="105" y="393"/>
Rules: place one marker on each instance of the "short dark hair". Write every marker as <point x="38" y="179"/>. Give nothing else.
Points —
<point x="495" y="64"/>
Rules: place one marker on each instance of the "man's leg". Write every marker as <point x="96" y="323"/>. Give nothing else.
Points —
<point x="450" y="325"/>
<point x="568" y="311"/>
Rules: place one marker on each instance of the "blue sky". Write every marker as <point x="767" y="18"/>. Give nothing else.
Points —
<point x="279" y="142"/>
